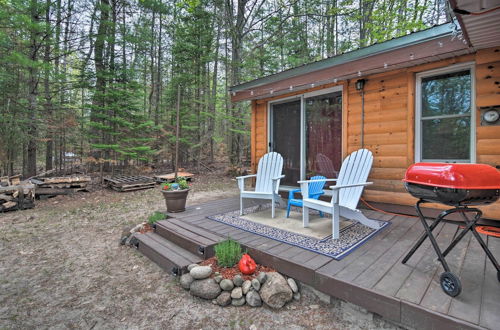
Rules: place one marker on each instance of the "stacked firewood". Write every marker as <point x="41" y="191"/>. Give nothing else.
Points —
<point x="63" y="185"/>
<point x="17" y="197"/>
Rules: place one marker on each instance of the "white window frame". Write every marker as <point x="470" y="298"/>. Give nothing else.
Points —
<point x="302" y="97"/>
<point x="418" y="111"/>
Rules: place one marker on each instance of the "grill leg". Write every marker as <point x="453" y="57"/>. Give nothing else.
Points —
<point x="480" y="240"/>
<point x="470" y="225"/>
<point x="428" y="230"/>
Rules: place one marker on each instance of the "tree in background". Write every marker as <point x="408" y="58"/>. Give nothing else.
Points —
<point x="99" y="78"/>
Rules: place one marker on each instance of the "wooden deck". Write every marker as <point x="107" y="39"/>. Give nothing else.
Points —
<point x="373" y="276"/>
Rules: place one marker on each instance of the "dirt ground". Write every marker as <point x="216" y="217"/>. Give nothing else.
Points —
<point x="61" y="267"/>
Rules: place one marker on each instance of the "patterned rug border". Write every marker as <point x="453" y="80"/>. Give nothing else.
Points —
<point x="344" y="251"/>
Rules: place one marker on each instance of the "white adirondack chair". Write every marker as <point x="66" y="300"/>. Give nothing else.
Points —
<point x="267" y="182"/>
<point x="346" y="193"/>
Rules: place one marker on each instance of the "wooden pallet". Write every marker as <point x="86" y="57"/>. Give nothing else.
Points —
<point x="64" y="185"/>
<point x="171" y="177"/>
<point x="124" y="183"/>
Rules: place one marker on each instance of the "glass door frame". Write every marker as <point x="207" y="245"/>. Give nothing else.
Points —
<point x="302" y="97"/>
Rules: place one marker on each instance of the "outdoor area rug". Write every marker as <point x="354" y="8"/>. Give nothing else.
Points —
<point x="316" y="238"/>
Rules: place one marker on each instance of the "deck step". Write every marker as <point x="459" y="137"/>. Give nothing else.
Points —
<point x="190" y="237"/>
<point x="169" y="256"/>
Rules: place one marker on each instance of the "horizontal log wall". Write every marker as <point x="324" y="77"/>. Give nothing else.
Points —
<point x="389" y="124"/>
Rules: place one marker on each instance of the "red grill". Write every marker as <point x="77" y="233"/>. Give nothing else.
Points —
<point x="458" y="185"/>
<point x="453" y="184"/>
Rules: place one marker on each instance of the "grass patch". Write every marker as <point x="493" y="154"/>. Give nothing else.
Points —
<point x="155" y="217"/>
<point x="228" y="253"/>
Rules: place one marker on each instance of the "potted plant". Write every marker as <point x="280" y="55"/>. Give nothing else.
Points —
<point x="175" y="194"/>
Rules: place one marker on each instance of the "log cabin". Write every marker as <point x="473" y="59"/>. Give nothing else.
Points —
<point x="430" y="96"/>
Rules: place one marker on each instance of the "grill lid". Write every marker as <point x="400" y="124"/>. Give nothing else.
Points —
<point x="454" y="176"/>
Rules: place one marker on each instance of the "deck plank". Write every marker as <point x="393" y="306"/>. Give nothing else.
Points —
<point x="336" y="266"/>
<point x="392" y="281"/>
<point x="434" y="297"/>
<point x="465" y="306"/>
<point x="354" y="269"/>
<point x="371" y="275"/>
<point x="417" y="283"/>
<point x="490" y="304"/>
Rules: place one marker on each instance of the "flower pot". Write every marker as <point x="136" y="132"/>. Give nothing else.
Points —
<point x="175" y="200"/>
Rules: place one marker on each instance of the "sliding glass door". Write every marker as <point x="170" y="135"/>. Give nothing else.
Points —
<point x="323" y="145"/>
<point x="307" y="132"/>
<point x="285" y="135"/>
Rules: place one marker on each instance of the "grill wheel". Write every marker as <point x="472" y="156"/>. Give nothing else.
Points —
<point x="450" y="284"/>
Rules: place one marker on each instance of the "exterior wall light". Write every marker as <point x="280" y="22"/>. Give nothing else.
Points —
<point x="360" y="84"/>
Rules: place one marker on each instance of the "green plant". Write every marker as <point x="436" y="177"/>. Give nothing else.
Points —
<point x="228" y="253"/>
<point x="155" y="217"/>
<point x="181" y="184"/>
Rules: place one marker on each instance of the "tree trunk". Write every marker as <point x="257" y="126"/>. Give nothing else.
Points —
<point x="48" y="98"/>
<point x="32" y="91"/>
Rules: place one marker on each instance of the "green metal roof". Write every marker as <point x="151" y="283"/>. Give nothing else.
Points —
<point x="435" y="32"/>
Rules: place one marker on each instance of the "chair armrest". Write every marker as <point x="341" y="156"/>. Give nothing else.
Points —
<point x="275" y="183"/>
<point x="350" y="185"/>
<point x="316" y="194"/>
<point x="246" y="176"/>
<point x="292" y="192"/>
<point x="307" y="181"/>
<point x="241" y="180"/>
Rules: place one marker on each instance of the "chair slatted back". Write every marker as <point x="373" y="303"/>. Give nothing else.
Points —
<point x="316" y="187"/>
<point x="270" y="166"/>
<point x="355" y="169"/>
<point x="325" y="166"/>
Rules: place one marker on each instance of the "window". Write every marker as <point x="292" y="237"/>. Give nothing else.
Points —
<point x="445" y="116"/>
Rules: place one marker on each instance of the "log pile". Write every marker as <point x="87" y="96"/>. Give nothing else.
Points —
<point x="129" y="183"/>
<point x="63" y="185"/>
<point x="17" y="197"/>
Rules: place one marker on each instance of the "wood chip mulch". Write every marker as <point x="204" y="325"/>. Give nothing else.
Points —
<point x="229" y="273"/>
<point x="146" y="229"/>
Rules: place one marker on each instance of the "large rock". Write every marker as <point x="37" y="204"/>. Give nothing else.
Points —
<point x="253" y="299"/>
<point x="246" y="286"/>
<point x="191" y="266"/>
<point x="224" y="299"/>
<point x="238" y="280"/>
<point x="206" y="289"/>
<point x="293" y="285"/>
<point x="201" y="272"/>
<point x="237" y="293"/>
<point x="186" y="280"/>
<point x="238" y="302"/>
<point x="262" y="277"/>
<point x="226" y="285"/>
<point x="276" y="292"/>
<point x="256" y="284"/>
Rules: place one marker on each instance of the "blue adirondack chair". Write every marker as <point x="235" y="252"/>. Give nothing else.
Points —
<point x="315" y="190"/>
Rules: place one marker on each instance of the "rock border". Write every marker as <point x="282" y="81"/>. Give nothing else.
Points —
<point x="271" y="289"/>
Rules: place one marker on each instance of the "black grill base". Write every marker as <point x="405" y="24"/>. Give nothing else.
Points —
<point x="453" y="197"/>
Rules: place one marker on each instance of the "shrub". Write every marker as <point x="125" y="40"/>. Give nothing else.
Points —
<point x="155" y="217"/>
<point x="228" y="253"/>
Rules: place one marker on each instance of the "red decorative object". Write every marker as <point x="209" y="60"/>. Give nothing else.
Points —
<point x="454" y="176"/>
<point x="247" y="265"/>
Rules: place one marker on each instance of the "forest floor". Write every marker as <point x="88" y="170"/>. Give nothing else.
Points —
<point x="62" y="267"/>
